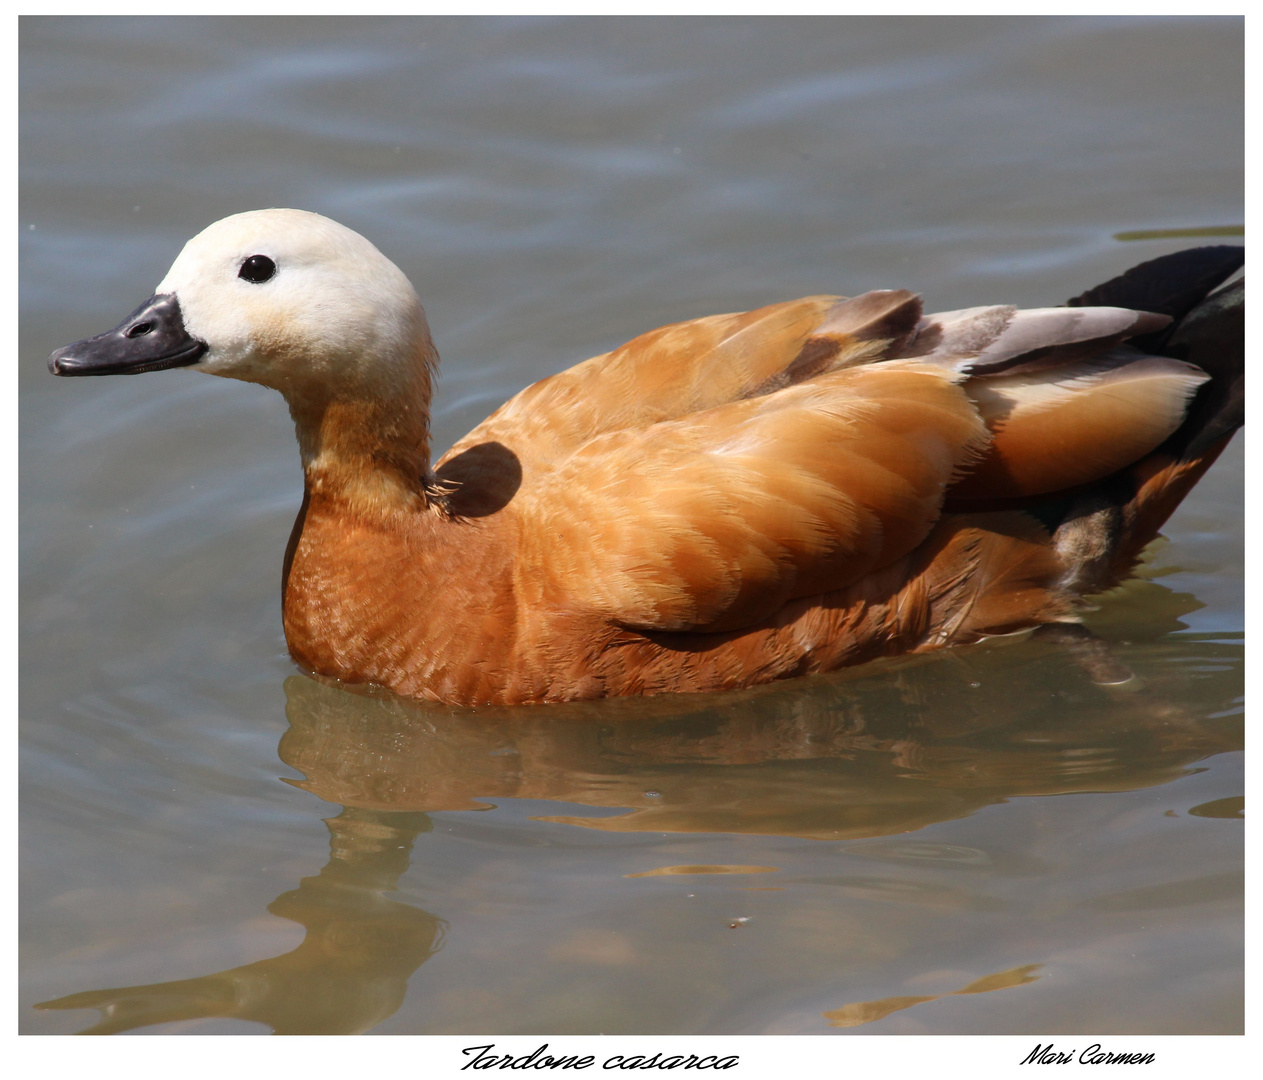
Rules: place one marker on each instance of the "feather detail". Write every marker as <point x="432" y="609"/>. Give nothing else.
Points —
<point x="990" y="340"/>
<point x="1063" y="427"/>
<point x="717" y="520"/>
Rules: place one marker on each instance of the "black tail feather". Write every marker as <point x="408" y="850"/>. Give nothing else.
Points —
<point x="1207" y="329"/>
<point x="1212" y="336"/>
<point x="1169" y="285"/>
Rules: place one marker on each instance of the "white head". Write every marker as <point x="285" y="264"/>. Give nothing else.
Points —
<point x="295" y="301"/>
<point x="300" y="303"/>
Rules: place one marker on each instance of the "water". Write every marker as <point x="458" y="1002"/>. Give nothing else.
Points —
<point x="214" y="843"/>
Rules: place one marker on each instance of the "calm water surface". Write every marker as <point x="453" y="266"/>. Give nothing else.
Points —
<point x="984" y="841"/>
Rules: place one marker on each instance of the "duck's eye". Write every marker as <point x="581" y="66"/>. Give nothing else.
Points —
<point x="257" y="268"/>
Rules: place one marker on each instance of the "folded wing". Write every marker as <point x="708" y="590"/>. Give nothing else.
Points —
<point x="705" y="474"/>
<point x="715" y="521"/>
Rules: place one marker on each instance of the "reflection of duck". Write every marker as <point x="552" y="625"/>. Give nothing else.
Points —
<point x="848" y="756"/>
<point x="843" y="758"/>
<point x="719" y="503"/>
<point x="349" y="973"/>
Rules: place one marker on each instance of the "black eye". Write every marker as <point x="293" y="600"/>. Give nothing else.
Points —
<point x="257" y="268"/>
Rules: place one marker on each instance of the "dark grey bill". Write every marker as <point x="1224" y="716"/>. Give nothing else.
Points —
<point x="151" y="338"/>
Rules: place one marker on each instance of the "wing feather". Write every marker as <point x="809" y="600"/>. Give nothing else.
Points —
<point x="715" y="521"/>
<point x="690" y="367"/>
<point x="989" y="340"/>
<point x="1060" y="428"/>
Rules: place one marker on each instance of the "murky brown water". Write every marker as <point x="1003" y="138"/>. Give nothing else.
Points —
<point x="984" y="841"/>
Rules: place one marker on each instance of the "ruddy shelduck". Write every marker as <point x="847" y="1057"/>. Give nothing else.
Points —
<point x="717" y="503"/>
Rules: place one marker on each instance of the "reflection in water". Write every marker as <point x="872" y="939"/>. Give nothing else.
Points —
<point x="856" y="756"/>
<point x="351" y="970"/>
<point x="894" y="749"/>
<point x="1232" y="807"/>
<point x="674" y="871"/>
<point x="865" y="1012"/>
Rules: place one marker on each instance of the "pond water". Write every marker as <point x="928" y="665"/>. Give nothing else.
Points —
<point x="980" y="841"/>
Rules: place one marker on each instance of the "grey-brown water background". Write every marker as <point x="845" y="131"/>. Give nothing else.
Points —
<point x="211" y="842"/>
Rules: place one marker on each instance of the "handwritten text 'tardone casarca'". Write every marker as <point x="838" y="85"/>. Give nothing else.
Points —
<point x="539" y="1058"/>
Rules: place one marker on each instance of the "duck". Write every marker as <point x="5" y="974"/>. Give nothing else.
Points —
<point x="722" y="502"/>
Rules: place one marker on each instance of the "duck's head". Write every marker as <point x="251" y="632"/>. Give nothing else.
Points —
<point x="285" y="298"/>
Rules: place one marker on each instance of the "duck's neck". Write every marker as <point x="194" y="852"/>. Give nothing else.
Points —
<point x="368" y="446"/>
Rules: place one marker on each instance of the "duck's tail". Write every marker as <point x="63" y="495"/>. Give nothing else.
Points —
<point x="1099" y="534"/>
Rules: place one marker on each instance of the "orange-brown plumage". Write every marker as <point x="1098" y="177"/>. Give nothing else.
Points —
<point x="718" y="503"/>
